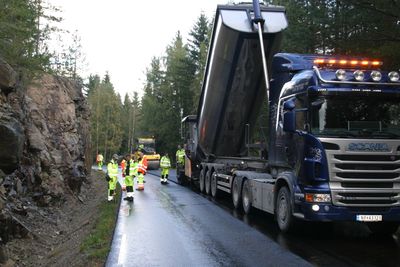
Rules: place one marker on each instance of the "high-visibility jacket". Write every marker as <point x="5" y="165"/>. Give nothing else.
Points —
<point x="112" y="170"/>
<point x="165" y="162"/>
<point x="132" y="168"/>
<point x="130" y="172"/>
<point x="180" y="156"/>
<point x="144" y="161"/>
<point x="142" y="166"/>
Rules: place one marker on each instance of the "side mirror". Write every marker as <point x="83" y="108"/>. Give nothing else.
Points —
<point x="289" y="117"/>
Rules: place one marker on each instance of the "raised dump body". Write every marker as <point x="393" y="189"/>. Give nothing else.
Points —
<point x="234" y="86"/>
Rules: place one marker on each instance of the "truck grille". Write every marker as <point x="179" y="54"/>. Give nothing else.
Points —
<point x="364" y="179"/>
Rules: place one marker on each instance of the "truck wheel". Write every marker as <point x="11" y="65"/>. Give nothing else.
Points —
<point x="214" y="189"/>
<point x="201" y="181"/>
<point x="383" y="228"/>
<point x="236" y="193"/>
<point x="207" y="182"/>
<point x="284" y="216"/>
<point x="246" y="197"/>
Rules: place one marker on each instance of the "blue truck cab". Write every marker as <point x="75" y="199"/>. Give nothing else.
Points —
<point x="335" y="139"/>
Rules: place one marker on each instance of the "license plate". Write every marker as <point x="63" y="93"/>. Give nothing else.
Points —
<point x="369" y="218"/>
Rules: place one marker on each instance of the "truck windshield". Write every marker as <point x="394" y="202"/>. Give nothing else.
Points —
<point x="356" y="116"/>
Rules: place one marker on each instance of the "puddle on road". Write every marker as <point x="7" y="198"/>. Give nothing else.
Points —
<point x="126" y="209"/>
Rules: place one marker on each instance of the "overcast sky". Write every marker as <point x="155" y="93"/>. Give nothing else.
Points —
<point x="121" y="36"/>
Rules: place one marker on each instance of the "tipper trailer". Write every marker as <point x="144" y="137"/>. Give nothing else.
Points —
<point x="332" y="148"/>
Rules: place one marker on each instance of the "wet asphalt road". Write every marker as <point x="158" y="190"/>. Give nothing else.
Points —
<point x="198" y="217"/>
<point x="170" y="225"/>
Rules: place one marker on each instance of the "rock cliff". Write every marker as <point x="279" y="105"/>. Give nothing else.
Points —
<point x="44" y="146"/>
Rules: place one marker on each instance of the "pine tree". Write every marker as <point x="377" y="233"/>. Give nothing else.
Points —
<point x="199" y="34"/>
<point x="106" y="107"/>
<point x="366" y="28"/>
<point x="24" y="30"/>
<point x="198" y="48"/>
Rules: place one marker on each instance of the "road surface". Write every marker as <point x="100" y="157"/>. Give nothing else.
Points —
<point x="335" y="244"/>
<point x="170" y="225"/>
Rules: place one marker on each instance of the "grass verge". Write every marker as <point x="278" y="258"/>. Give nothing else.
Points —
<point x="97" y="244"/>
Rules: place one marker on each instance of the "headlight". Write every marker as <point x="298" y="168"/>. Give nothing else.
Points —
<point x="394" y="76"/>
<point x="341" y="75"/>
<point x="358" y="75"/>
<point x="318" y="198"/>
<point x="376" y="76"/>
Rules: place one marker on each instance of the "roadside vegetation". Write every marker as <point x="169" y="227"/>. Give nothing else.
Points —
<point x="98" y="243"/>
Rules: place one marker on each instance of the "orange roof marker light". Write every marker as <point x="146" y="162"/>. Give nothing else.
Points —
<point x="319" y="61"/>
<point x="377" y="63"/>
<point x="347" y="63"/>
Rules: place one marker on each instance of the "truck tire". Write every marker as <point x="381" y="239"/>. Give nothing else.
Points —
<point x="284" y="214"/>
<point x="201" y="181"/>
<point x="236" y="194"/>
<point x="383" y="228"/>
<point x="214" y="189"/>
<point x="207" y="182"/>
<point x="246" y="197"/>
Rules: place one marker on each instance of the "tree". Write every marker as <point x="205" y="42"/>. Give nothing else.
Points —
<point x="106" y="107"/>
<point x="198" y="48"/>
<point x="24" y="30"/>
<point x="151" y="102"/>
<point x="92" y="84"/>
<point x="69" y="61"/>
<point x="366" y="28"/>
<point x="177" y="95"/>
<point x="199" y="36"/>
<point x="173" y="86"/>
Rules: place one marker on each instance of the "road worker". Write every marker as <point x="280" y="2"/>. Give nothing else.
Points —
<point x="112" y="172"/>
<point x="99" y="161"/>
<point x="180" y="157"/>
<point x="165" y="164"/>
<point x="123" y="166"/>
<point x="142" y="169"/>
<point x="180" y="164"/>
<point x="141" y="148"/>
<point x="130" y="174"/>
<point x="137" y="154"/>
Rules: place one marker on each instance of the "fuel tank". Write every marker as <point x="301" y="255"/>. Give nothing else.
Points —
<point x="234" y="86"/>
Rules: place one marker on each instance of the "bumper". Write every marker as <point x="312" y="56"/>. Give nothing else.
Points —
<point x="328" y="212"/>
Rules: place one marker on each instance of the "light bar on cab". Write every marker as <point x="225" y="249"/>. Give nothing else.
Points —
<point x="347" y="62"/>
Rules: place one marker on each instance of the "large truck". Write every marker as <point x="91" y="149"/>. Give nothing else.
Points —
<point x="332" y="148"/>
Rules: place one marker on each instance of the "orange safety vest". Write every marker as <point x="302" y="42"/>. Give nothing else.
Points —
<point x="123" y="163"/>
<point x="142" y="167"/>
